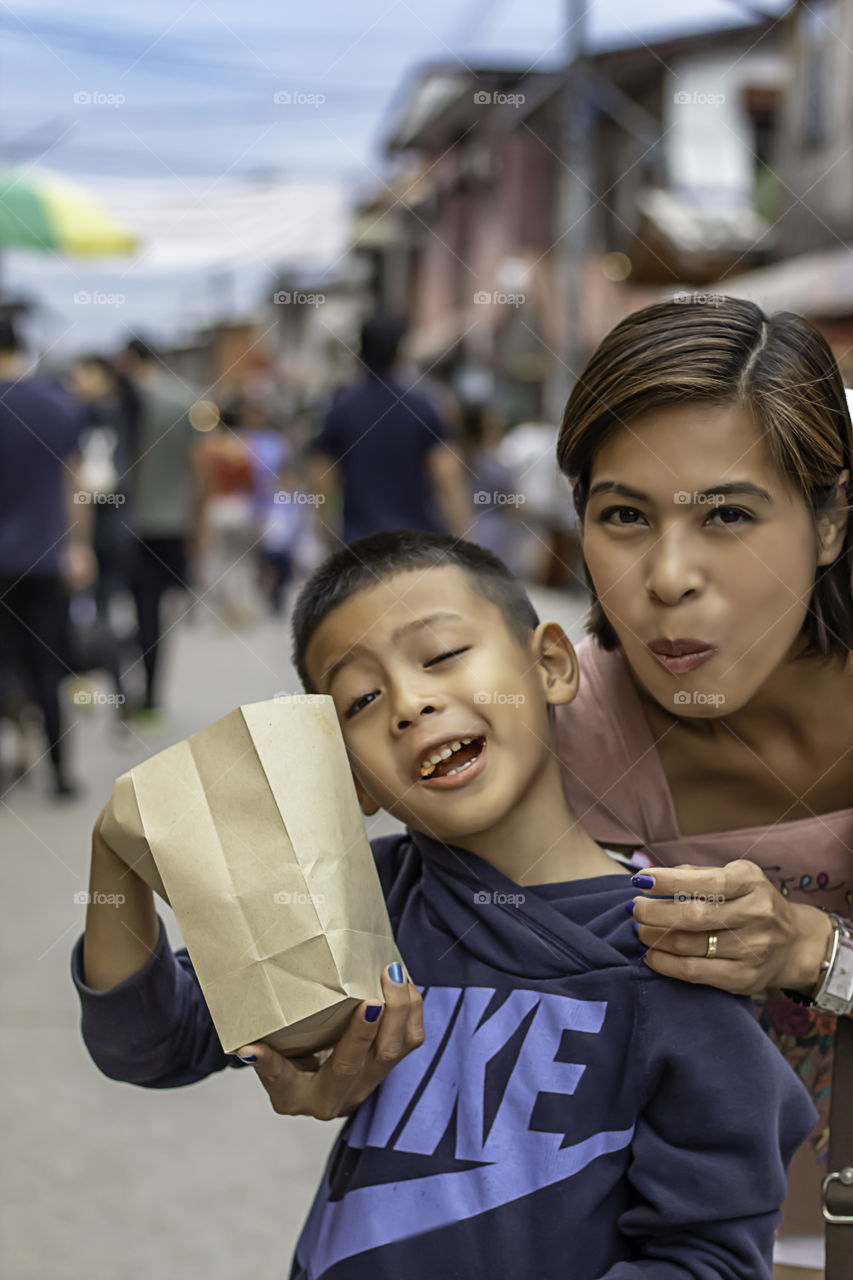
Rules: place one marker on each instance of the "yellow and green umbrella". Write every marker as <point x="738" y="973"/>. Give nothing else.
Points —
<point x="50" y="215"/>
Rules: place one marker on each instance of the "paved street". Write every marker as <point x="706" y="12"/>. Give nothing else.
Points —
<point x="106" y="1181"/>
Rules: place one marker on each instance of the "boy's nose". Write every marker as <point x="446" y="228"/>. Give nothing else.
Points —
<point x="426" y="710"/>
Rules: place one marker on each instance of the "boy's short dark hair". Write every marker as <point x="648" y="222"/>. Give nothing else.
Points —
<point x="372" y="560"/>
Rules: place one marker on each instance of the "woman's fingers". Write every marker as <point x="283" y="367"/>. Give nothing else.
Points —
<point x="727" y="975"/>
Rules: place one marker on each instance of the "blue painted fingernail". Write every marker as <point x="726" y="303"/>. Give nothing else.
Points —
<point x="643" y="949"/>
<point x="395" y="972"/>
<point x="251" y="1058"/>
<point x="635" y="927"/>
<point x="643" y="881"/>
<point x="629" y="907"/>
<point x="372" y="1012"/>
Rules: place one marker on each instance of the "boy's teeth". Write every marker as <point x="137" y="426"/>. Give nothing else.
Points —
<point x="428" y="765"/>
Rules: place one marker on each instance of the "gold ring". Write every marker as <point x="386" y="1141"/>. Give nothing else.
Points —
<point x="712" y="946"/>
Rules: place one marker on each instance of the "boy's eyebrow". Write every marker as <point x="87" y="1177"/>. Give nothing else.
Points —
<point x="417" y="624"/>
<point x="715" y="490"/>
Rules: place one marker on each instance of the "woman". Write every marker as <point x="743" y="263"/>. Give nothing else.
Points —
<point x="710" y="453"/>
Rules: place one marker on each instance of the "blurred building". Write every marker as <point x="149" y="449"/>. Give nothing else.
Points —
<point x="813" y="226"/>
<point x="713" y="156"/>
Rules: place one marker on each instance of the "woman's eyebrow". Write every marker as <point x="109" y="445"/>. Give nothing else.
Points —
<point x="716" y="490"/>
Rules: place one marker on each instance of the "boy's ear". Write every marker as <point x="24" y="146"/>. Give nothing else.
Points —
<point x="832" y="524"/>
<point x="366" y="802"/>
<point x="556" y="662"/>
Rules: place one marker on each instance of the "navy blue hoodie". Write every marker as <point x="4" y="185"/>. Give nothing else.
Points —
<point x="571" y="1114"/>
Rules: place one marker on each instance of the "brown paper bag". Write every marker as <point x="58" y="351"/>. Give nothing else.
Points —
<point x="251" y="831"/>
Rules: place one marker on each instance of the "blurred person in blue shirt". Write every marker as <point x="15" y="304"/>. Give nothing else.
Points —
<point x="384" y="448"/>
<point x="45" y="538"/>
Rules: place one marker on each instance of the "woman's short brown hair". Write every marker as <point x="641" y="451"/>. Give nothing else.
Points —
<point x="724" y="351"/>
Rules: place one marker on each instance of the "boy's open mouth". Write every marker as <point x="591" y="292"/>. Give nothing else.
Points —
<point x="452" y="757"/>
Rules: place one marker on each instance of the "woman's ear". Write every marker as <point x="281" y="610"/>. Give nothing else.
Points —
<point x="556" y="662"/>
<point x="832" y="523"/>
<point x="366" y="802"/>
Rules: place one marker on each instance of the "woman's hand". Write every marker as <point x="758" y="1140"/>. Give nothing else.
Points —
<point x="333" y="1083"/>
<point x="763" y="939"/>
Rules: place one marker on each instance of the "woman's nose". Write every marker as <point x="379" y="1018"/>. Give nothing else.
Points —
<point x="673" y="571"/>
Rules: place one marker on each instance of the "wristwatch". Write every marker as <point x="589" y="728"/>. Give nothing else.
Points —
<point x="834" y="993"/>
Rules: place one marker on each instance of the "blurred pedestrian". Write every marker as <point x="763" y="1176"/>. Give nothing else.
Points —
<point x="384" y="450"/>
<point x="547" y="538"/>
<point x="45" y="538"/>
<point x="164" y="507"/>
<point x="109" y="445"/>
<point x="492" y="484"/>
<point x="228" y="526"/>
<point x="281" y="522"/>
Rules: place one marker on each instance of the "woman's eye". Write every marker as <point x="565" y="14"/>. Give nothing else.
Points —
<point x="452" y="653"/>
<point x="621" y="516"/>
<point x="358" y="703"/>
<point x="731" y="515"/>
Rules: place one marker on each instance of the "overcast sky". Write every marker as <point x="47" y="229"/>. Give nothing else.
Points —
<point x="185" y="93"/>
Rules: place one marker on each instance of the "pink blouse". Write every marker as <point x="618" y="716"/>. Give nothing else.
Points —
<point x="614" y="779"/>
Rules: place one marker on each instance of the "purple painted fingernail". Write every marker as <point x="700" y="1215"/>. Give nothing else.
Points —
<point x="372" y="1012"/>
<point x="643" y="881"/>
<point x="252" y="1058"/>
<point x="629" y="907"/>
<point x="643" y="949"/>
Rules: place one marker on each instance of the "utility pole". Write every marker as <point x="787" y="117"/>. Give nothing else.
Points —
<point x="572" y="226"/>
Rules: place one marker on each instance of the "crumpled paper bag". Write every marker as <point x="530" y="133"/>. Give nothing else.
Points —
<point x="250" y="829"/>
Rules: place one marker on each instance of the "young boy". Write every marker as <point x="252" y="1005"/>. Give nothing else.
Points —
<point x="571" y="1113"/>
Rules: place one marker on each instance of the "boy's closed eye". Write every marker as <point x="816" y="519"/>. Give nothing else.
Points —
<point x="364" y="700"/>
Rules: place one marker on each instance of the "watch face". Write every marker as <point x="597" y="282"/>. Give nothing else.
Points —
<point x="839" y="984"/>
